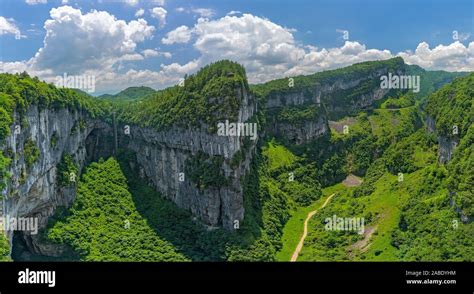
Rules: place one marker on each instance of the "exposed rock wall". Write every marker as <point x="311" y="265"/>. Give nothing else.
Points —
<point x="32" y="190"/>
<point x="323" y="96"/>
<point x="446" y="145"/>
<point x="162" y="158"/>
<point x="323" y="93"/>
<point x="299" y="133"/>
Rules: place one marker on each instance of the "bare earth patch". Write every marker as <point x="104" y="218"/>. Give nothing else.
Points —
<point x="352" y="181"/>
<point x="338" y="126"/>
<point x="362" y="245"/>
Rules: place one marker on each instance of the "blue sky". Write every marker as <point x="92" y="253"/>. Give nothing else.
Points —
<point x="270" y="38"/>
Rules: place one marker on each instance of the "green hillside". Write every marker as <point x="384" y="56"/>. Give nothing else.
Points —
<point x="4" y="249"/>
<point x="453" y="105"/>
<point x="129" y="94"/>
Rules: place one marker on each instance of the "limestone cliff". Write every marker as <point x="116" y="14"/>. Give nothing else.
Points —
<point x="163" y="157"/>
<point x="287" y="109"/>
<point x="38" y="142"/>
<point x="446" y="145"/>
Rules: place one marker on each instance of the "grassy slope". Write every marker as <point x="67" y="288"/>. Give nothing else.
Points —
<point x="294" y="227"/>
<point x="384" y="204"/>
<point x="278" y="156"/>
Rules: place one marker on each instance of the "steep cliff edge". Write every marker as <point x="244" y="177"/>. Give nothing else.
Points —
<point x="298" y="108"/>
<point x="184" y="163"/>
<point x="450" y="113"/>
<point x="446" y="143"/>
<point x="178" y="145"/>
<point x="42" y="126"/>
<point x="33" y="190"/>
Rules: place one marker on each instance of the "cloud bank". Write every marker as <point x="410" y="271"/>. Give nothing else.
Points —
<point x="98" y="43"/>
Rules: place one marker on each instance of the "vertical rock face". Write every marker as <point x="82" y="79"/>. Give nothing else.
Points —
<point x="299" y="133"/>
<point x="325" y="92"/>
<point x="32" y="190"/>
<point x="446" y="148"/>
<point x="163" y="156"/>
<point x="446" y="145"/>
<point x="329" y="98"/>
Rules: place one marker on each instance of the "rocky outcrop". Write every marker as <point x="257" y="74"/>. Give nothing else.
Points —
<point x="299" y="133"/>
<point x="161" y="157"/>
<point x="446" y="145"/>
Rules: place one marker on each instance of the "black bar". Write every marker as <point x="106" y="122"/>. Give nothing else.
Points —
<point x="360" y="275"/>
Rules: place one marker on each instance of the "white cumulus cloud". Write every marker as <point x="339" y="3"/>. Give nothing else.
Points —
<point x="76" y="42"/>
<point x="98" y="43"/>
<point x="160" y="14"/>
<point x="452" y="57"/>
<point x="268" y="50"/>
<point x="181" y="34"/>
<point x="7" y="26"/>
<point x="140" y="12"/>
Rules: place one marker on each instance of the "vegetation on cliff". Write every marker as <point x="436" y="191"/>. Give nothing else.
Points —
<point x="19" y="91"/>
<point x="461" y="175"/>
<point x="210" y="96"/>
<point x="4" y="248"/>
<point x="452" y="107"/>
<point x="67" y="171"/>
<point x="310" y="82"/>
<point x="206" y="171"/>
<point x="104" y="224"/>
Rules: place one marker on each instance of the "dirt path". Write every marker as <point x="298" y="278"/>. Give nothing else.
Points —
<point x="294" y="257"/>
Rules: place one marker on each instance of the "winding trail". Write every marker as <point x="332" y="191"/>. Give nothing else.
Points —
<point x="294" y="257"/>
